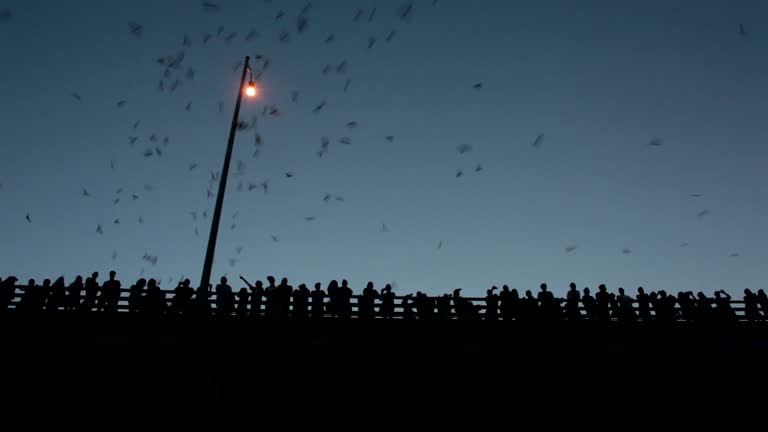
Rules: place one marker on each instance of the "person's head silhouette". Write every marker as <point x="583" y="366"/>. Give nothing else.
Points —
<point x="602" y="288"/>
<point x="586" y="291"/>
<point x="573" y="286"/>
<point x="317" y="286"/>
<point x="640" y="290"/>
<point x="505" y="288"/>
<point x="543" y="287"/>
<point x="223" y="280"/>
<point x="369" y="285"/>
<point x="343" y="283"/>
<point x="271" y="280"/>
<point x="95" y="275"/>
<point x="112" y="275"/>
<point x="621" y="291"/>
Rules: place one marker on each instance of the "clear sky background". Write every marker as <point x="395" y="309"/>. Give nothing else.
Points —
<point x="599" y="79"/>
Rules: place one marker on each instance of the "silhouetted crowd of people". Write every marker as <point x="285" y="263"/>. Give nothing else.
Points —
<point x="283" y="301"/>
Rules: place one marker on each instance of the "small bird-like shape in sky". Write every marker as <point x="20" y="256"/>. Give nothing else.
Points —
<point x="464" y="148"/>
<point x="99" y="230"/>
<point x="192" y="166"/>
<point x="346" y="84"/>
<point x="352" y="124"/>
<point x="372" y="14"/>
<point x="77" y="96"/>
<point x="478" y="86"/>
<point x="371" y="42"/>
<point x="294" y="96"/>
<point x="440" y="244"/>
<point x="384" y="227"/>
<point x="115" y="201"/>
<point x="289" y="174"/>
<point x="116" y="221"/>
<point x="327" y="197"/>
<point x="141" y="220"/>
<point x="121" y="103"/>
<point x="206" y="37"/>
<point x="265" y="186"/>
<point x="275" y="238"/>
<point x="319" y="107"/>
<point x="210" y="7"/>
<point x="684" y="244"/>
<point x="301" y="23"/>
<point x="405" y="11"/>
<point x="656" y="142"/>
<point x="695" y="195"/>
<point x="459" y="173"/>
<point x="28" y="218"/>
<point x="309" y="218"/>
<point x="734" y="255"/>
<point x="114" y="255"/>
<point x="390" y="138"/>
<point x="702" y="213"/>
<point x="345" y="140"/>
<point x="742" y="30"/>
<point x="626" y="251"/>
<point x="136" y="29"/>
<point x="134" y="197"/>
<point x="230" y="37"/>
<point x="86" y="193"/>
<point x="571" y="248"/>
<point x="358" y="14"/>
<point x="238" y="249"/>
<point x="538" y="141"/>
<point x="187" y="42"/>
<point x="279" y="14"/>
<point x="479" y="168"/>
<point x="331" y="37"/>
<point x="390" y="36"/>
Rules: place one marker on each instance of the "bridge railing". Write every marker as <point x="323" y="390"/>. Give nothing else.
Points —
<point x="400" y="306"/>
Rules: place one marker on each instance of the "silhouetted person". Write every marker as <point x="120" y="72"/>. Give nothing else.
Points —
<point x="444" y="307"/>
<point x="626" y="310"/>
<point x="643" y="305"/>
<point x="333" y="298"/>
<point x="257" y="294"/>
<point x="751" y="312"/>
<point x="345" y="300"/>
<point x="182" y="297"/>
<point x="242" y="302"/>
<point x="407" y="307"/>
<point x="154" y="302"/>
<point x="366" y="303"/>
<point x="491" y="304"/>
<point x="704" y="310"/>
<point x="549" y="307"/>
<point x="318" y="299"/>
<point x="202" y="301"/>
<point x="7" y="293"/>
<point x="723" y="307"/>
<point x="301" y="302"/>
<point x="136" y="296"/>
<point x="225" y="299"/>
<point x="463" y="307"/>
<point x="74" y="291"/>
<point x="762" y="300"/>
<point x="387" y="308"/>
<point x="590" y="305"/>
<point x="505" y="304"/>
<point x="58" y="297"/>
<point x="273" y="299"/>
<point x="529" y="310"/>
<point x="603" y="303"/>
<point x="687" y="305"/>
<point x="572" y="300"/>
<point x="665" y="308"/>
<point x="91" y="292"/>
<point x="284" y="292"/>
<point x="110" y="294"/>
<point x="30" y="298"/>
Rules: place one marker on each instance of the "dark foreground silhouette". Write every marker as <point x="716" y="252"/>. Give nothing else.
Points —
<point x="282" y="301"/>
<point x="270" y="344"/>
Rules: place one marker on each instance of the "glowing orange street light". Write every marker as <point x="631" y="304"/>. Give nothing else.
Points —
<point x="251" y="90"/>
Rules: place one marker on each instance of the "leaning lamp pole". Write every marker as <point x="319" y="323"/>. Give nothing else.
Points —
<point x="251" y="91"/>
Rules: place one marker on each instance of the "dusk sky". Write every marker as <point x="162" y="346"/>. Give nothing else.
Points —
<point x="599" y="81"/>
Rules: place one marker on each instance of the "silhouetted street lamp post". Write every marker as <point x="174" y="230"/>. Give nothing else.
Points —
<point x="250" y="91"/>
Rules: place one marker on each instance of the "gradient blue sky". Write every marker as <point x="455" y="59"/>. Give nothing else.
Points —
<point x="600" y="80"/>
